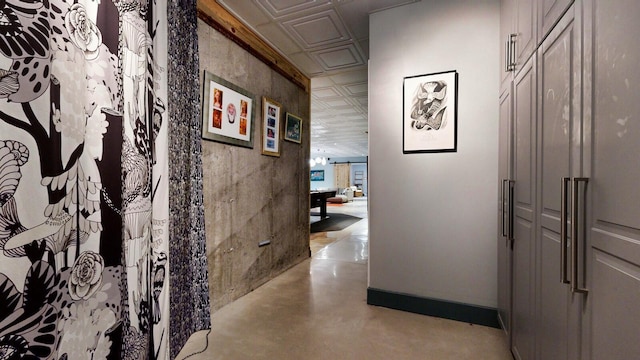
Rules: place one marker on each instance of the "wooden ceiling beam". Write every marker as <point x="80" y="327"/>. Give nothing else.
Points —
<point x="226" y="23"/>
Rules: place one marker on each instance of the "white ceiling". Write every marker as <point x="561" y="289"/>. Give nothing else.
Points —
<point x="328" y="41"/>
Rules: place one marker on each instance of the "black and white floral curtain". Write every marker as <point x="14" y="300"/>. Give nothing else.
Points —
<point x="84" y="180"/>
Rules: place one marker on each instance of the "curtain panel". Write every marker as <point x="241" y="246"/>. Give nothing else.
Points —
<point x="187" y="246"/>
<point x="85" y="182"/>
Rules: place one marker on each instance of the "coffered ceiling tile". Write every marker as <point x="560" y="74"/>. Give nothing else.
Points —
<point x="338" y="57"/>
<point x="364" y="45"/>
<point x="363" y="101"/>
<point x="324" y="116"/>
<point x="359" y="128"/>
<point x="358" y="102"/>
<point x="246" y="10"/>
<point x="278" y="38"/>
<point x="348" y="77"/>
<point x="358" y="15"/>
<point x="379" y="5"/>
<point x="319" y="29"/>
<point x="306" y="64"/>
<point x="339" y="102"/>
<point x="280" y="8"/>
<point x="347" y="111"/>
<point x="323" y="93"/>
<point x="356" y="116"/>
<point x="333" y="122"/>
<point x="317" y="105"/>
<point x="321" y="81"/>
<point x="352" y="135"/>
<point x="363" y="117"/>
<point x="356" y="89"/>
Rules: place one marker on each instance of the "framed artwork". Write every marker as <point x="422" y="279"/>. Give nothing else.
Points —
<point x="317" y="175"/>
<point x="227" y="112"/>
<point x="270" y="127"/>
<point x="293" y="128"/>
<point x="429" y="119"/>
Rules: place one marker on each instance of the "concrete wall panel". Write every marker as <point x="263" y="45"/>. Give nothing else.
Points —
<point x="250" y="197"/>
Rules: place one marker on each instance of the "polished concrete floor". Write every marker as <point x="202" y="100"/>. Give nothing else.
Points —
<point x="318" y="310"/>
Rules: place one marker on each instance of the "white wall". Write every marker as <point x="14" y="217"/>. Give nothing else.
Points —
<point x="329" y="181"/>
<point x="433" y="216"/>
<point x="358" y="162"/>
<point x="363" y="168"/>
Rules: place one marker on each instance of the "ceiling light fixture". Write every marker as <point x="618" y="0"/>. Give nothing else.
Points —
<point x="318" y="160"/>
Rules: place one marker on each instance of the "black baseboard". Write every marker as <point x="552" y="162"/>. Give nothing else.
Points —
<point x="439" y="308"/>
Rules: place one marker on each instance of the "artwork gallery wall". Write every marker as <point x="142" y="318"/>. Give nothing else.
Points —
<point x="249" y="197"/>
<point x="437" y="241"/>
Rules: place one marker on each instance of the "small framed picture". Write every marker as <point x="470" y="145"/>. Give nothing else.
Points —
<point x="293" y="128"/>
<point x="429" y="122"/>
<point x="227" y="112"/>
<point x="317" y="175"/>
<point x="270" y="127"/>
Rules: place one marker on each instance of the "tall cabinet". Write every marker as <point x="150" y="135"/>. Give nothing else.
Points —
<point x="523" y="214"/>
<point x="517" y="171"/>
<point x="613" y="132"/>
<point x="569" y="250"/>
<point x="505" y="242"/>
<point x="560" y="151"/>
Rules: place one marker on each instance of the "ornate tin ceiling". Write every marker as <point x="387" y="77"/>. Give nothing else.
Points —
<point x="328" y="41"/>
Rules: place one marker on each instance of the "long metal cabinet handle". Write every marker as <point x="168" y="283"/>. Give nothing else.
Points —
<point x="511" y="212"/>
<point x="564" y="238"/>
<point x="504" y="207"/>
<point x="512" y="52"/>
<point x="507" y="54"/>
<point x="578" y="223"/>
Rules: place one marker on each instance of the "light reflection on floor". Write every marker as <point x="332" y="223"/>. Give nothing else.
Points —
<point x="349" y="244"/>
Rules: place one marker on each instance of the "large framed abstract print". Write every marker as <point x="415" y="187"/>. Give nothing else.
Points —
<point x="429" y="119"/>
<point x="227" y="112"/>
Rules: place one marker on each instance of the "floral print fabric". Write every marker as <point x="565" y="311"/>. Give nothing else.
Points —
<point x="84" y="204"/>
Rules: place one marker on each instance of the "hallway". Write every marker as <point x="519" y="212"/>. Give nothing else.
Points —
<point x="318" y="310"/>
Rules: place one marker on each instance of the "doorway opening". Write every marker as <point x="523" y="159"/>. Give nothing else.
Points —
<point x="339" y="203"/>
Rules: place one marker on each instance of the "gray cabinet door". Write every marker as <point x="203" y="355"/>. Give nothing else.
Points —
<point x="559" y="128"/>
<point x="526" y="33"/>
<point x="517" y="18"/>
<point x="613" y="242"/>
<point x="524" y="140"/>
<point x="549" y="12"/>
<point x="504" y="242"/>
<point x="507" y="27"/>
